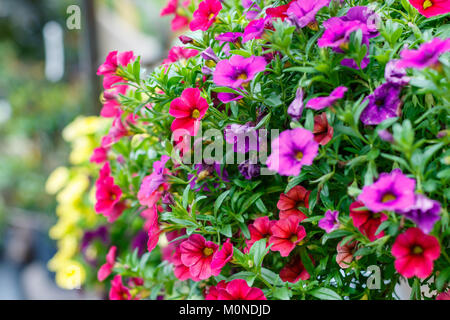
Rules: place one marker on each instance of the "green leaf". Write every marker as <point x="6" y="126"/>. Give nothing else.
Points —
<point x="220" y="200"/>
<point x="325" y="294"/>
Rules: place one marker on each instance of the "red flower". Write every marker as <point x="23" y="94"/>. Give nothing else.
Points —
<point x="188" y="110"/>
<point x="223" y="256"/>
<point x="205" y="15"/>
<point x="197" y="254"/>
<point x="323" y="132"/>
<point x="294" y="271"/>
<point x="279" y="12"/>
<point x="415" y="252"/>
<point x="430" y="8"/>
<point x="443" y="296"/>
<point x="259" y="229"/>
<point x="236" y="289"/>
<point x="106" y="269"/>
<point x="345" y="253"/>
<point x="118" y="291"/>
<point x="367" y="221"/>
<point x="286" y="234"/>
<point x="289" y="202"/>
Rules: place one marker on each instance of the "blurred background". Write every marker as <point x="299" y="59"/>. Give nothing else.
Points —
<point x="47" y="78"/>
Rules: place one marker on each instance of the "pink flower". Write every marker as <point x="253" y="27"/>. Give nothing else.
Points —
<point x="106" y="269"/>
<point x="236" y="289"/>
<point x="181" y="271"/>
<point x="259" y="229"/>
<point x="197" y="254"/>
<point x="427" y="55"/>
<point x="153" y="236"/>
<point x="111" y="106"/>
<point x="345" y="253"/>
<point x="330" y="222"/>
<point x="431" y="8"/>
<point x="118" y="291"/>
<point x="415" y="253"/>
<point x="154" y="185"/>
<point x="188" y="110"/>
<point x="286" y="234"/>
<point x="323" y="102"/>
<point x="100" y="155"/>
<point x="109" y="68"/>
<point x="179" y="54"/>
<point x="223" y="256"/>
<point x="205" y="15"/>
<point x="107" y="196"/>
<point x="238" y="71"/>
<point x="443" y="296"/>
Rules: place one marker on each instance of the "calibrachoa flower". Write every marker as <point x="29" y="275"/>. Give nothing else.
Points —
<point x="179" y="54"/>
<point x="384" y="103"/>
<point x="303" y="13"/>
<point x="178" y="22"/>
<point x="252" y="9"/>
<point x="415" y="253"/>
<point x="205" y="15"/>
<point x="188" y="110"/>
<point x="279" y="12"/>
<point x="330" y="222"/>
<point x="197" y="254"/>
<point x="109" y="68"/>
<point x="366" y="221"/>
<point x="430" y="8"/>
<point x="295" y="109"/>
<point x="236" y="289"/>
<point x="290" y="202"/>
<point x="259" y="229"/>
<point x="291" y="151"/>
<point x="243" y="137"/>
<point x="118" y="290"/>
<point x="238" y="71"/>
<point x="392" y="191"/>
<point x="222" y="256"/>
<point x="249" y="170"/>
<point x="426" y="56"/>
<point x="394" y="74"/>
<point x="181" y="271"/>
<point x="106" y="269"/>
<point x="205" y="171"/>
<point x="255" y="29"/>
<point x="424" y="213"/>
<point x="154" y="185"/>
<point x="107" y="195"/>
<point x="323" y="132"/>
<point x="323" y="102"/>
<point x="366" y="16"/>
<point x="286" y="234"/>
<point x="443" y="296"/>
<point x="294" y="271"/>
<point x="345" y="253"/>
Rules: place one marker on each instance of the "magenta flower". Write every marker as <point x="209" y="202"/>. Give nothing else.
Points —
<point x="222" y="256"/>
<point x="197" y="254"/>
<point x="366" y="17"/>
<point x="236" y="289"/>
<point x="295" y="109"/>
<point x="303" y="13"/>
<point x="188" y="110"/>
<point x="384" y="103"/>
<point x="106" y="269"/>
<point x="431" y="8"/>
<point x="153" y="185"/>
<point x="392" y="191"/>
<point x="395" y="75"/>
<point x="107" y="196"/>
<point x="243" y="137"/>
<point x="426" y="56"/>
<point x="179" y="54"/>
<point x="323" y="102"/>
<point x="252" y="9"/>
<point x="330" y="222"/>
<point x="238" y="71"/>
<point x="424" y="213"/>
<point x="292" y="150"/>
<point x="232" y="37"/>
<point x="118" y="291"/>
<point x="255" y="29"/>
<point x="205" y="15"/>
<point x="109" y="68"/>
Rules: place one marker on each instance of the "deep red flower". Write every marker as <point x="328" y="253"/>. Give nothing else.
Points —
<point x="106" y="269"/>
<point x="415" y="253"/>
<point x="188" y="110"/>
<point x="289" y="202"/>
<point x="236" y="289"/>
<point x="197" y="254"/>
<point x="367" y="221"/>
<point x="205" y="15"/>
<point x="118" y="291"/>
<point x="286" y="234"/>
<point x="430" y="8"/>
<point x="323" y="132"/>
<point x="279" y="12"/>
<point x="259" y="229"/>
<point x="294" y="270"/>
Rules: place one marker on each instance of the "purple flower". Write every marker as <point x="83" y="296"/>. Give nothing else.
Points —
<point x="303" y="13"/>
<point x="292" y="150"/>
<point x="295" y="109"/>
<point x="330" y="222"/>
<point x="229" y="37"/>
<point x="384" y="103"/>
<point x="337" y="34"/>
<point x="249" y="170"/>
<point x="254" y="30"/>
<point x="101" y="234"/>
<point x="211" y="59"/>
<point x="424" y="213"/>
<point x="243" y="137"/>
<point x="226" y="97"/>
<point x="386" y="135"/>
<point x="395" y="75"/>
<point x="426" y="56"/>
<point x="323" y="102"/>
<point x="366" y="17"/>
<point x="205" y="171"/>
<point x="253" y="9"/>
<point x="393" y="191"/>
<point x="237" y="71"/>
<point x="140" y="242"/>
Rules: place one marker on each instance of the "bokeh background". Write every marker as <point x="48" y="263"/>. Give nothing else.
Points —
<point x="47" y="79"/>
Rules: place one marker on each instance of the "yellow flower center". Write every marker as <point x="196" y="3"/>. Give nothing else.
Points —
<point x="211" y="15"/>
<point x="293" y="238"/>
<point x="313" y="26"/>
<point x="299" y="156"/>
<point x="344" y="46"/>
<point x="207" y="252"/>
<point x="388" y="197"/>
<point x="417" y="250"/>
<point x="427" y="4"/>
<point x="202" y="175"/>
<point x="195" y="114"/>
<point x="243" y="76"/>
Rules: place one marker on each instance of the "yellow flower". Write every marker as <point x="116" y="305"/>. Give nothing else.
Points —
<point x="57" y="180"/>
<point x="69" y="210"/>
<point x="65" y="226"/>
<point x="71" y="275"/>
<point x="82" y="150"/>
<point x="74" y="190"/>
<point x="83" y="126"/>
